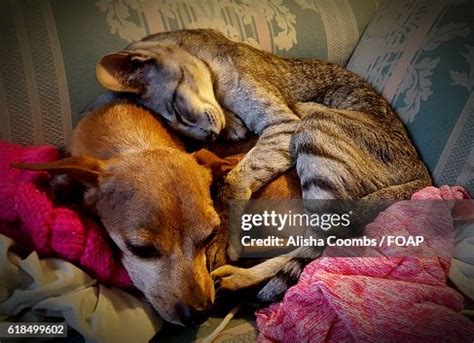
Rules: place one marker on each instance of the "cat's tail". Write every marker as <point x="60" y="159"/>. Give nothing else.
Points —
<point x="288" y="276"/>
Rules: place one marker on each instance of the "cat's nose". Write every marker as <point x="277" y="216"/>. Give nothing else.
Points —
<point x="211" y="137"/>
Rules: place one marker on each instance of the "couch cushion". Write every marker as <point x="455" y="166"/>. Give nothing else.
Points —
<point x="420" y="55"/>
<point x="49" y="48"/>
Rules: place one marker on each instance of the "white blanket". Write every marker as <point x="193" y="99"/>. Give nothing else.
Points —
<point x="37" y="289"/>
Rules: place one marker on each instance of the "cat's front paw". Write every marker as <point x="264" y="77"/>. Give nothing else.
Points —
<point x="235" y="133"/>
<point x="235" y="191"/>
<point x="235" y="128"/>
<point x="232" y="278"/>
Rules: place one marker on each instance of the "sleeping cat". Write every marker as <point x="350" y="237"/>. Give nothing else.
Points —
<point x="344" y="138"/>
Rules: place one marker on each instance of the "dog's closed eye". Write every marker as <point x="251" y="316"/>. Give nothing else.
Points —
<point x="145" y="251"/>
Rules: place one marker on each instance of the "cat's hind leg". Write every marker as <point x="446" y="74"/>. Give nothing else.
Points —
<point x="342" y="155"/>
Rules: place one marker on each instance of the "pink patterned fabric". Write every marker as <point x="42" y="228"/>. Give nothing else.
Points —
<point x="28" y="216"/>
<point x="374" y="299"/>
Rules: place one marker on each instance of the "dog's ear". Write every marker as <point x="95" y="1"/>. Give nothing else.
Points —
<point x="219" y="166"/>
<point x="82" y="168"/>
<point x="122" y="71"/>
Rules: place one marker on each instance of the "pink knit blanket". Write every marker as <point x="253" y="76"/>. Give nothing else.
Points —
<point x="29" y="217"/>
<point x="375" y="299"/>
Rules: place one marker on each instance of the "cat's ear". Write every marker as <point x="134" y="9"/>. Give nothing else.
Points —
<point x="123" y="71"/>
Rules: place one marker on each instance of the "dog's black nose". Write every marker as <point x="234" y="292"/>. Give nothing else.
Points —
<point x="192" y="316"/>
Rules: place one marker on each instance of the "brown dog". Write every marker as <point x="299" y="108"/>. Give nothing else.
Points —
<point x="154" y="200"/>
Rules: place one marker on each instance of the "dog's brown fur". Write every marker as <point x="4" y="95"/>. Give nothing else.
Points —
<point x="153" y="199"/>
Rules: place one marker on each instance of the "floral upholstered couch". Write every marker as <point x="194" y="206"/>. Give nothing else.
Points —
<point x="418" y="54"/>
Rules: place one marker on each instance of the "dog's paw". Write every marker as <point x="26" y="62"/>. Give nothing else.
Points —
<point x="232" y="278"/>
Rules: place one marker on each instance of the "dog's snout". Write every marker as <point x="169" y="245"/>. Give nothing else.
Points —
<point x="192" y="316"/>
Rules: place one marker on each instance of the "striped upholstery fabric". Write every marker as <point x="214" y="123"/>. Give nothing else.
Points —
<point x="49" y="47"/>
<point x="420" y="55"/>
<point x="34" y="96"/>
